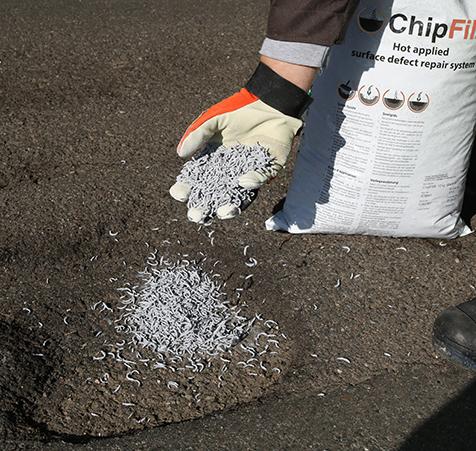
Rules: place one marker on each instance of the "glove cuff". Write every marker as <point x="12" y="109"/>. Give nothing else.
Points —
<point x="277" y="92"/>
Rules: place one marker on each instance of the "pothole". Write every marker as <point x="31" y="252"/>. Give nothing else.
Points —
<point x="174" y="345"/>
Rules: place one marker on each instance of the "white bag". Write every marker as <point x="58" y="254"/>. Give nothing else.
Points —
<point x="387" y="141"/>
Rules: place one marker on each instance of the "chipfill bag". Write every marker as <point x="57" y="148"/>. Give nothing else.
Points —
<point x="387" y="141"/>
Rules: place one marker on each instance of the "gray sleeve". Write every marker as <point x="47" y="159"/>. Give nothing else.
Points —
<point x="312" y="55"/>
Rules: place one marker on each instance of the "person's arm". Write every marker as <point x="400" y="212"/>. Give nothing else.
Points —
<point x="321" y="22"/>
<point x="268" y="110"/>
<point x="300" y="75"/>
<point x="301" y="32"/>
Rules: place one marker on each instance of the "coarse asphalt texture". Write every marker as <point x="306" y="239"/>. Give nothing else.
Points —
<point x="94" y="96"/>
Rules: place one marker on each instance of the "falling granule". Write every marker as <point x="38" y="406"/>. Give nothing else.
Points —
<point x="213" y="176"/>
<point x="179" y="311"/>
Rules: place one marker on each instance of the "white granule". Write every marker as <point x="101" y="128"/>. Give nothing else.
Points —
<point x="213" y="176"/>
<point x="179" y="310"/>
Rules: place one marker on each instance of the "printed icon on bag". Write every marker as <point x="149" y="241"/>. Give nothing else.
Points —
<point x="369" y="95"/>
<point x="345" y="91"/>
<point x="371" y="20"/>
<point x="418" y="102"/>
<point x="393" y="99"/>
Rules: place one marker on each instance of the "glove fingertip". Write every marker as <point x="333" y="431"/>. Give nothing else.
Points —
<point x="180" y="191"/>
<point x="196" y="215"/>
<point x="184" y="151"/>
<point x="228" y="212"/>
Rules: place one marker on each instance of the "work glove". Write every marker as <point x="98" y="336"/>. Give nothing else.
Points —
<point x="266" y="112"/>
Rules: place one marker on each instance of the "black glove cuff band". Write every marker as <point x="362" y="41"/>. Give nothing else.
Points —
<point x="277" y="92"/>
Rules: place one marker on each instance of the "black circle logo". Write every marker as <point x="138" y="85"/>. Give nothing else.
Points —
<point x="371" y="20"/>
<point x="345" y="91"/>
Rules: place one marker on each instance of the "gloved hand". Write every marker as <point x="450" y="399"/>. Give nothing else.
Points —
<point x="266" y="112"/>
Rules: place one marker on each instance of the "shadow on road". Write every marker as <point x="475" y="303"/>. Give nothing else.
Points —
<point x="451" y="428"/>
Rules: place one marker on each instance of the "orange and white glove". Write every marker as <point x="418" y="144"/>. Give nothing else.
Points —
<point x="266" y="112"/>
